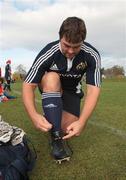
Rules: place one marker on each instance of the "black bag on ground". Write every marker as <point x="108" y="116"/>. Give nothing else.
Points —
<point x="16" y="161"/>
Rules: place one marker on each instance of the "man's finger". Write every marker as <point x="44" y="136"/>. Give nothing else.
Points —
<point x="69" y="128"/>
<point x="43" y="129"/>
<point x="71" y="133"/>
<point x="47" y="125"/>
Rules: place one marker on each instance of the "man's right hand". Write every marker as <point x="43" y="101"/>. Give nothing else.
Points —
<point x="41" y="123"/>
<point x="28" y="92"/>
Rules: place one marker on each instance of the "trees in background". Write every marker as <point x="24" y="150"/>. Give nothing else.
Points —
<point x="20" y="73"/>
<point x="115" y="71"/>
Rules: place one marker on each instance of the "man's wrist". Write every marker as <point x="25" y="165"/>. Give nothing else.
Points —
<point x="82" y="121"/>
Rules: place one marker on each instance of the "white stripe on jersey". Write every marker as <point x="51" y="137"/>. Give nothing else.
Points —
<point x="96" y="56"/>
<point x="40" y="61"/>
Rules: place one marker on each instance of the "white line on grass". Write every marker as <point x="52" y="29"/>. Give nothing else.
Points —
<point x="113" y="130"/>
<point x="17" y="92"/>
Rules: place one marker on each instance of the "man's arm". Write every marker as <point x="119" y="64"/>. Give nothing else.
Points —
<point x="29" y="101"/>
<point x="91" y="99"/>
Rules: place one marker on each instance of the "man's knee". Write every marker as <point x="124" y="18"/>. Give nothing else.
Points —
<point x="51" y="82"/>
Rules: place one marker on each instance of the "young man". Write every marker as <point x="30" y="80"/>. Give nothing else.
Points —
<point x="58" y="70"/>
<point x="0" y="72"/>
<point x="8" y="75"/>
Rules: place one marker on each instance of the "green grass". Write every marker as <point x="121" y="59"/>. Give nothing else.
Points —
<point x="100" y="151"/>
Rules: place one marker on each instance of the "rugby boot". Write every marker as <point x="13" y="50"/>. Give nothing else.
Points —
<point x="59" y="149"/>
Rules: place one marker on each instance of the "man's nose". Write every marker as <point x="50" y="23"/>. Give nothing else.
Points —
<point x="71" y="50"/>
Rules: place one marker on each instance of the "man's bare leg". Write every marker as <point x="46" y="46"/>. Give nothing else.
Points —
<point x="67" y="119"/>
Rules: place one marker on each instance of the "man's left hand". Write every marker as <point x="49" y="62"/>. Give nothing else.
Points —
<point x="74" y="129"/>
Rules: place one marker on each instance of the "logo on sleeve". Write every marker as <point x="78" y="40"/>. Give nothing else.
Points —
<point x="54" y="67"/>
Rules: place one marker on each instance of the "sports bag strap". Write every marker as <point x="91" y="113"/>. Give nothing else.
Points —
<point x="21" y="166"/>
<point x="31" y="153"/>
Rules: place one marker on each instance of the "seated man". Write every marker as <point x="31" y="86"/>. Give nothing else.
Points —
<point x="4" y="95"/>
<point x="3" y="98"/>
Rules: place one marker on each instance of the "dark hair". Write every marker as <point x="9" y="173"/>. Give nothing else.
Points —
<point x="73" y="29"/>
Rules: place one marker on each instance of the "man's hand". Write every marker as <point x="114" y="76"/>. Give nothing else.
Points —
<point x="29" y="101"/>
<point x="90" y="102"/>
<point x="74" y="129"/>
<point x="41" y="123"/>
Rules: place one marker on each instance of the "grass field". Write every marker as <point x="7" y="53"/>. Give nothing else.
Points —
<point x="100" y="151"/>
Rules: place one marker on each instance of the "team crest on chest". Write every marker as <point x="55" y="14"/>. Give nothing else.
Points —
<point x="81" y="66"/>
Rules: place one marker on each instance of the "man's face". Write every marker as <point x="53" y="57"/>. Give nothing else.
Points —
<point x="69" y="49"/>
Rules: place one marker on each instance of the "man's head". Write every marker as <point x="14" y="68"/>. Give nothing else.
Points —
<point x="73" y="29"/>
<point x="8" y="62"/>
<point x="72" y="33"/>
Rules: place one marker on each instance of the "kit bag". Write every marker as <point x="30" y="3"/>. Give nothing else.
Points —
<point x="17" y="160"/>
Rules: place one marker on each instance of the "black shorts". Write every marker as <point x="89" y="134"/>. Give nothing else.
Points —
<point x="71" y="102"/>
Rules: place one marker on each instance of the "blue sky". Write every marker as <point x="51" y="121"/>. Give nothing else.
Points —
<point x="28" y="25"/>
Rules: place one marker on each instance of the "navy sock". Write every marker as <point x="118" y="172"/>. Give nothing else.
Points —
<point x="52" y="107"/>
